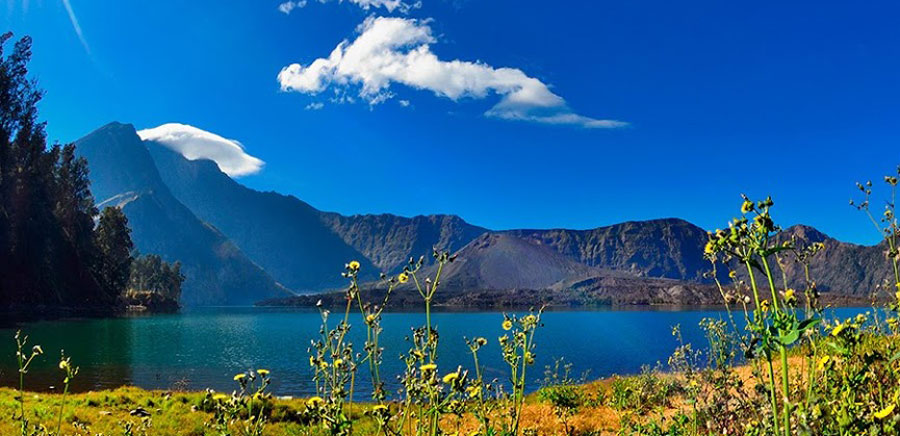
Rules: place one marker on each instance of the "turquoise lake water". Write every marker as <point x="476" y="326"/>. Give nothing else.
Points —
<point x="204" y="348"/>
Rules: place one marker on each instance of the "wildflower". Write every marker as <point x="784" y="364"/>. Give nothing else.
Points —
<point x="403" y="277"/>
<point x="473" y="391"/>
<point x="450" y="378"/>
<point x="312" y="361"/>
<point x="732" y="274"/>
<point x="314" y="402"/>
<point x="481" y="341"/>
<point x="380" y="408"/>
<point x="37" y="349"/>
<point x="709" y="248"/>
<point x="507" y="324"/>
<point x="860" y="318"/>
<point x="240" y="377"/>
<point x="428" y="367"/>
<point x="262" y="372"/>
<point x="747" y="206"/>
<point x="370" y="319"/>
<point x="220" y="397"/>
<point x="338" y="363"/>
<point x="837" y="330"/>
<point x="353" y="266"/>
<point x="789" y="294"/>
<point x="884" y="413"/>
<point x="822" y="362"/>
<point x="764" y="305"/>
<point x="63" y="364"/>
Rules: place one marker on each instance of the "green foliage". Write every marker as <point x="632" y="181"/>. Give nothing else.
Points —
<point x="562" y="392"/>
<point x="150" y="274"/>
<point x="49" y="252"/>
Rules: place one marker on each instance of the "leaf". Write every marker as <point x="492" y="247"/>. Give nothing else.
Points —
<point x="807" y="323"/>
<point x="790" y="337"/>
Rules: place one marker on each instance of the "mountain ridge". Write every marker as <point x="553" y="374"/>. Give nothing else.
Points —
<point x="655" y="260"/>
<point x="217" y="271"/>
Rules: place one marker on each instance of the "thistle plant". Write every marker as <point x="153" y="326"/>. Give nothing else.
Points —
<point x="518" y="352"/>
<point x="65" y="365"/>
<point x="887" y="226"/>
<point x="334" y="369"/>
<point x="250" y="398"/>
<point x="24" y="361"/>
<point x="775" y="323"/>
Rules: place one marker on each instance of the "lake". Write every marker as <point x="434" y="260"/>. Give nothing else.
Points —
<point x="205" y="347"/>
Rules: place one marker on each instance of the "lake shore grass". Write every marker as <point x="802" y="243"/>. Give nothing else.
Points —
<point x="654" y="397"/>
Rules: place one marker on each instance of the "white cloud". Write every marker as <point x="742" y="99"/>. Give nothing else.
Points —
<point x="397" y="50"/>
<point x="194" y="143"/>
<point x="315" y="106"/>
<point x="390" y="5"/>
<point x="404" y="103"/>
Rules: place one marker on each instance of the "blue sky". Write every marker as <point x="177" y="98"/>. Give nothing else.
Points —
<point x="794" y="99"/>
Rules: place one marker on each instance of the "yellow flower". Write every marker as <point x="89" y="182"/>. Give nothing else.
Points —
<point x="507" y="324"/>
<point x="380" y="407"/>
<point x="789" y="294"/>
<point x="240" y="377"/>
<point x="747" y="206"/>
<point x="884" y="413"/>
<point x="450" y="377"/>
<point x="353" y="265"/>
<point x="822" y="362"/>
<point x="338" y="363"/>
<point x="709" y="248"/>
<point x="403" y="277"/>
<point x="314" y="402"/>
<point x="262" y="372"/>
<point x="732" y="274"/>
<point x="63" y="364"/>
<point x="837" y="330"/>
<point x="428" y="367"/>
<point x="312" y="361"/>
<point x="764" y="305"/>
<point x="220" y="397"/>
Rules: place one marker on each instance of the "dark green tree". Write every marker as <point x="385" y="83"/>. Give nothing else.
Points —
<point x="113" y="241"/>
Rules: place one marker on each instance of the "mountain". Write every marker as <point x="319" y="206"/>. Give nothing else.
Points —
<point x="502" y="269"/>
<point x="653" y="261"/>
<point x="667" y="248"/>
<point x="281" y="233"/>
<point x="123" y="174"/>
<point x="388" y="241"/>
<point x="841" y="267"/>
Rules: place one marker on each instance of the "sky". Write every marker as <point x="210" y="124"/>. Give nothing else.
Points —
<point x="511" y="114"/>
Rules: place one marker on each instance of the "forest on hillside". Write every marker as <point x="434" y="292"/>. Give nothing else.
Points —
<point x="57" y="250"/>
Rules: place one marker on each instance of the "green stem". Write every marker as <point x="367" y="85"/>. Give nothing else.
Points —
<point x="61" y="406"/>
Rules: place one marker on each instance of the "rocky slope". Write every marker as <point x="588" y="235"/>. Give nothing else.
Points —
<point x="283" y="234"/>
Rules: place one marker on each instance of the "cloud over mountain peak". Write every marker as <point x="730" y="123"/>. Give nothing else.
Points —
<point x="194" y="143"/>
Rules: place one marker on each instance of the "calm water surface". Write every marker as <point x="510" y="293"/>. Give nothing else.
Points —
<point x="202" y="348"/>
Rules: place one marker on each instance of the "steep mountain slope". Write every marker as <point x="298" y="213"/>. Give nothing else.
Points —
<point x="123" y="174"/>
<point x="283" y="234"/>
<point x="842" y="267"/>
<point x="668" y="248"/>
<point x="389" y="240"/>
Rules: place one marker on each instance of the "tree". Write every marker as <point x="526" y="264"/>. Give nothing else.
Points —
<point x="50" y="252"/>
<point x="113" y="241"/>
